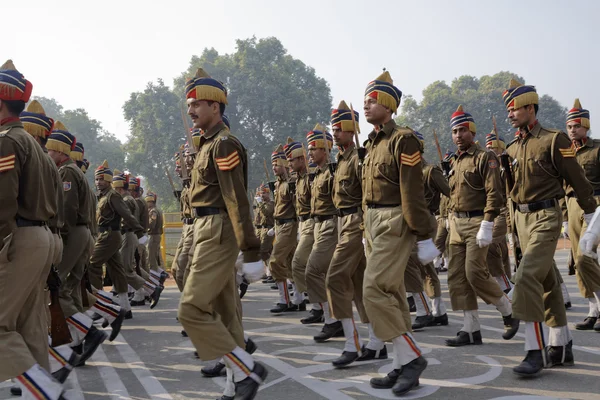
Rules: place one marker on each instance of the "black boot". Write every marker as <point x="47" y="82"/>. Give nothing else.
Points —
<point x="137" y="303"/>
<point x="184" y="333"/>
<point x="561" y="355"/>
<point x="116" y="325"/>
<point x="225" y="398"/>
<point x="568" y="305"/>
<point x="347" y="358"/>
<point x="511" y="327"/>
<point x="268" y="280"/>
<point x="16" y="391"/>
<point x="243" y="290"/>
<point x="411" y="304"/>
<point x="274" y="287"/>
<point x="250" y="346"/>
<point x="587" y="324"/>
<point x="217" y="370"/>
<point x="163" y="277"/>
<point x="329" y="331"/>
<point x="315" y="317"/>
<point x="440" y="320"/>
<point x="422" y="321"/>
<point x="464" y="338"/>
<point x="156" y="296"/>
<point x="92" y="341"/>
<point x="279" y="308"/>
<point x="128" y="314"/>
<point x="409" y="376"/>
<point x="62" y="374"/>
<point x="387" y="382"/>
<point x="597" y="326"/>
<point x="247" y="389"/>
<point x="368" y="354"/>
<point x="531" y="365"/>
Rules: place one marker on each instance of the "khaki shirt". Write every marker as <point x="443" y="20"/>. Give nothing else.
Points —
<point x="59" y="219"/>
<point x="155" y="221"/>
<point x="264" y="214"/>
<point x="143" y="206"/>
<point x="111" y="209"/>
<point x="184" y="201"/>
<point x="134" y="209"/>
<point x="444" y="206"/>
<point x="25" y="190"/>
<point x="220" y="180"/>
<point x="76" y="196"/>
<point x="393" y="174"/>
<point x="284" y="200"/>
<point x="303" y="191"/>
<point x="321" y="200"/>
<point x="475" y="182"/>
<point x="540" y="162"/>
<point x="588" y="156"/>
<point x="347" y="189"/>
<point x="92" y="207"/>
<point x="435" y="184"/>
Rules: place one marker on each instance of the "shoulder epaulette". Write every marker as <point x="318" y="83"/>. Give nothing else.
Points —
<point x="512" y="142"/>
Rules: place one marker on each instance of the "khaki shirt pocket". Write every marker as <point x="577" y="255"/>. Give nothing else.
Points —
<point x="473" y="178"/>
<point x="385" y="168"/>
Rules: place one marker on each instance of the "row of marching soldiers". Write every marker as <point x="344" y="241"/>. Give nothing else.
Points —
<point x="57" y="235"/>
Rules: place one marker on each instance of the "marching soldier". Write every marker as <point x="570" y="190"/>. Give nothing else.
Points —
<point x="182" y="255"/>
<point x="395" y="209"/>
<point x="541" y="159"/>
<point x="264" y="221"/>
<point x="475" y="200"/>
<point x="209" y="309"/>
<point x="137" y="193"/>
<point x="29" y="201"/>
<point x="324" y="213"/>
<point x="442" y="236"/>
<point x="587" y="152"/>
<point x="286" y="230"/>
<point x="155" y="231"/>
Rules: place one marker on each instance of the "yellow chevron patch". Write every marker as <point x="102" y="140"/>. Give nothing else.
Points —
<point x="410" y="159"/>
<point x="228" y="163"/>
<point x="567" y="153"/>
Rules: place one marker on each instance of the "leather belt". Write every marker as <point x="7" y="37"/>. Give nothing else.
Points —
<point x="204" y="211"/>
<point x="108" y="229"/>
<point x="303" y="218"/>
<point x="596" y="193"/>
<point x="372" y="205"/>
<point x="24" y="223"/>
<point x="347" y="211"/>
<point x="263" y="226"/>
<point x="321" y="218"/>
<point x="536" y="206"/>
<point x="468" y="214"/>
<point x="188" y="221"/>
<point x="284" y="221"/>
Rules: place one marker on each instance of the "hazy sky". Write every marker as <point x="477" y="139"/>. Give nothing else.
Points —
<point x="94" y="54"/>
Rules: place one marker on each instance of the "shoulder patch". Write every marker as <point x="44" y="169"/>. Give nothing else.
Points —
<point x="7" y="163"/>
<point x="230" y="162"/>
<point x="410" y="159"/>
<point x="493" y="164"/>
<point x="567" y="153"/>
<point x="66" y="186"/>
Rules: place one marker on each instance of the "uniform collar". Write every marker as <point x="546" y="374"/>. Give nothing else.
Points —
<point x="10" y="121"/>
<point x="585" y="142"/>
<point x="321" y="169"/>
<point x="383" y="130"/>
<point x="531" y="129"/>
<point x="214" y="130"/>
<point x="470" y="150"/>
<point x="66" y="162"/>
<point x="347" y="153"/>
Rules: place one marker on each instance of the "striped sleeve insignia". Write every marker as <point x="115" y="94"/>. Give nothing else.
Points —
<point x="7" y="163"/>
<point x="410" y="159"/>
<point x="567" y="153"/>
<point x="228" y="163"/>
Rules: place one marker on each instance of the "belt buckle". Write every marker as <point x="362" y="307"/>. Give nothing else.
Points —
<point x="524" y="208"/>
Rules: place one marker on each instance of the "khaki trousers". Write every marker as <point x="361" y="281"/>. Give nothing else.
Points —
<point x="347" y="269"/>
<point x="303" y="249"/>
<point x="106" y="250"/>
<point x="496" y="253"/>
<point x="441" y="238"/>
<point x="283" y="250"/>
<point x="184" y="255"/>
<point x="154" y="256"/>
<point x="326" y="237"/>
<point x="389" y="243"/>
<point x="468" y="275"/>
<point x="266" y="244"/>
<point x="587" y="269"/>
<point x="75" y="256"/>
<point x="209" y="310"/>
<point x="25" y="260"/>
<point x="128" y="246"/>
<point x="537" y="295"/>
<point x="143" y="253"/>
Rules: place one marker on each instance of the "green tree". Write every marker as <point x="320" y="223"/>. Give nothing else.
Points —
<point x="481" y="97"/>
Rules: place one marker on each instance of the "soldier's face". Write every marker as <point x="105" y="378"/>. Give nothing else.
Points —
<point x="101" y="184"/>
<point x="343" y="139"/>
<point x="297" y="164"/>
<point x="521" y="117"/>
<point x="316" y="155"/>
<point x="202" y="114"/>
<point x="265" y="196"/>
<point x="278" y="170"/>
<point x="576" y="131"/>
<point x="462" y="137"/>
<point x="375" y="114"/>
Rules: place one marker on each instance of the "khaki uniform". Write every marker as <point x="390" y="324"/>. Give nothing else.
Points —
<point x="130" y="242"/>
<point x="347" y="268"/>
<point x="324" y="214"/>
<point x="110" y="210"/>
<point x="476" y="195"/>
<point x="395" y="210"/>
<point x="286" y="230"/>
<point x="141" y="248"/>
<point x="263" y="221"/>
<point x="185" y="252"/>
<point x="540" y="162"/>
<point x="76" y="275"/>
<point x="306" y="226"/>
<point x="155" y="231"/>
<point x="441" y="236"/>
<point x="587" y="268"/>
<point x="29" y="201"/>
<point x="209" y="310"/>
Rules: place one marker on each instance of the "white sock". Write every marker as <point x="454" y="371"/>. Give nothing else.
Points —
<point x="240" y="362"/>
<point x="105" y="296"/>
<point x="504" y="306"/>
<point x="437" y="262"/>
<point x="327" y="314"/>
<point x="353" y="342"/>
<point x="79" y="324"/>
<point x="59" y="357"/>
<point x="130" y="289"/>
<point x="123" y="301"/>
<point x="246" y="337"/>
<point x="105" y="310"/>
<point x="284" y="294"/>
<point x="374" y="342"/>
<point x="298" y="295"/>
<point x="534" y="336"/>
<point x="421" y="304"/>
<point x="317" y="306"/>
<point x="36" y="379"/>
<point x="559" y="336"/>
<point x="139" y="295"/>
<point x="597" y="296"/>
<point x="504" y="282"/>
<point x="471" y="321"/>
<point x="593" y="304"/>
<point x="438" y="308"/>
<point x="565" y="293"/>
<point x="149" y="287"/>
<point x="229" y="384"/>
<point x="406" y="349"/>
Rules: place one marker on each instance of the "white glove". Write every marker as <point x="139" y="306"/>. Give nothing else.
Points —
<point x="587" y="243"/>
<point x="447" y="224"/>
<point x="566" y="229"/>
<point x="258" y="199"/>
<point x="426" y="251"/>
<point x="587" y="218"/>
<point x="253" y="271"/>
<point x="143" y="240"/>
<point x="484" y="236"/>
<point x="271" y="232"/>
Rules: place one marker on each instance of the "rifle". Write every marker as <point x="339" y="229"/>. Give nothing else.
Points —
<point x="437" y="145"/>
<point x="59" y="331"/>
<point x="176" y="192"/>
<point x="188" y="133"/>
<point x="496" y="131"/>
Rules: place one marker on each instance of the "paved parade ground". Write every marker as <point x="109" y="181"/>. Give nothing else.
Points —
<point x="151" y="360"/>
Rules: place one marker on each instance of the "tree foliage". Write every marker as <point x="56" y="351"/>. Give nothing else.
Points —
<point x="481" y="97"/>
